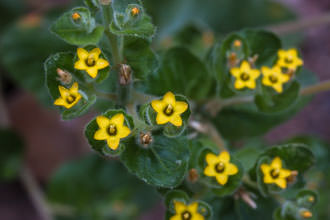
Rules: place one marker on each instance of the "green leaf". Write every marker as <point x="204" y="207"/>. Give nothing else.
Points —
<point x="64" y="61"/>
<point x="233" y="183"/>
<point x="95" y="188"/>
<point x="247" y="155"/>
<point x="80" y="32"/>
<point x="140" y="57"/>
<point x="11" y="154"/>
<point x="183" y="73"/>
<point x="163" y="163"/>
<point x="269" y="101"/>
<point x="126" y="24"/>
<point x="93" y="5"/>
<point x="101" y="146"/>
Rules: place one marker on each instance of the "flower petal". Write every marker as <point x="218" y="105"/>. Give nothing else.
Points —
<point x="95" y="53"/>
<point x="209" y="171"/>
<point x="224" y="157"/>
<point x="268" y="179"/>
<point x="211" y="158"/>
<point x="176" y="217"/>
<point x="176" y="120"/>
<point x="80" y="65"/>
<point x="251" y="84"/>
<point x="169" y="98"/>
<point x="197" y="216"/>
<point x="123" y="132"/>
<point x="179" y="207"/>
<point x="158" y="105"/>
<point x="102" y="63"/>
<point x="245" y="66"/>
<point x="60" y="101"/>
<point x="222" y="179"/>
<point x="239" y="84"/>
<point x="276" y="163"/>
<point x="82" y="53"/>
<point x="162" y="118"/>
<point x="235" y="72"/>
<point x="265" y="168"/>
<point x="102" y="121"/>
<point x="101" y="134"/>
<point x="231" y="169"/>
<point x="181" y="107"/>
<point x="117" y="119"/>
<point x="113" y="142"/>
<point x="63" y="91"/>
<point x="74" y="88"/>
<point x="92" y="71"/>
<point x="284" y="173"/>
<point x="193" y="207"/>
<point x="281" y="183"/>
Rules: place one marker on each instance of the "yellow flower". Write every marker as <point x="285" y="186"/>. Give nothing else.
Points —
<point x="111" y="129"/>
<point x="69" y="97"/>
<point x="135" y="11"/>
<point x="289" y="59"/>
<point x="75" y="16"/>
<point x="274" y="77"/>
<point x="90" y="61"/>
<point x="219" y="166"/>
<point x="245" y="76"/>
<point x="186" y="212"/>
<point x="169" y="110"/>
<point x="274" y="173"/>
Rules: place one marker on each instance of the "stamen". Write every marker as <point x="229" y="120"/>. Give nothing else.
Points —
<point x="112" y="130"/>
<point x="186" y="215"/>
<point x="70" y="99"/>
<point x="220" y="167"/>
<point x="168" y="110"/>
<point x="90" y="61"/>
<point x="245" y="77"/>
<point x="275" y="173"/>
<point x="273" y="79"/>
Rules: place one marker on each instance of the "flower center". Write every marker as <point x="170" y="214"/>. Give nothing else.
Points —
<point x="168" y="110"/>
<point x="186" y="215"/>
<point x="70" y="99"/>
<point x="245" y="76"/>
<point x="90" y="61"/>
<point x="288" y="60"/>
<point x="220" y="167"/>
<point x="112" y="130"/>
<point x="275" y="173"/>
<point x="273" y="79"/>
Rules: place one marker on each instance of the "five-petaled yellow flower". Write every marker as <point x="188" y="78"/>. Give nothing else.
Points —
<point x="245" y="76"/>
<point x="186" y="212"/>
<point x="219" y="166"/>
<point x="169" y="110"/>
<point x="274" y="77"/>
<point x="90" y="61"/>
<point x="69" y="97"/>
<point x="274" y="173"/>
<point x="289" y="59"/>
<point x="111" y="129"/>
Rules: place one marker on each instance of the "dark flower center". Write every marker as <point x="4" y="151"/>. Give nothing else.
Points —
<point x="70" y="99"/>
<point x="186" y="215"/>
<point x="288" y="60"/>
<point x="112" y="130"/>
<point x="245" y="77"/>
<point x="90" y="61"/>
<point x="219" y="167"/>
<point x="275" y="173"/>
<point x="273" y="79"/>
<point x="168" y="110"/>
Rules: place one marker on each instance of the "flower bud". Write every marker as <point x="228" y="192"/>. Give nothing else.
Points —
<point x="306" y="214"/>
<point x="125" y="74"/>
<point x="75" y="16"/>
<point x="64" y="76"/>
<point x="193" y="175"/>
<point x="237" y="43"/>
<point x="145" y="139"/>
<point x="135" y="11"/>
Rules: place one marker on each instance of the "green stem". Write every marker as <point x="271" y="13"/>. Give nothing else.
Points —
<point x="317" y="88"/>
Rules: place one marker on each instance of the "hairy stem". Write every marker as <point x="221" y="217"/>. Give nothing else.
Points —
<point x="300" y="25"/>
<point x="317" y="88"/>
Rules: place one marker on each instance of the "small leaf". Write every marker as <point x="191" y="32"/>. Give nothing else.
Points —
<point x="163" y="163"/>
<point x="101" y="146"/>
<point x="64" y="61"/>
<point x="83" y="31"/>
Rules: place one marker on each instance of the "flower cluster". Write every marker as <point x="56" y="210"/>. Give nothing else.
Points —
<point x="275" y="77"/>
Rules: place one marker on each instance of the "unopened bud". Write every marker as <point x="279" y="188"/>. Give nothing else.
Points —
<point x="237" y="43"/>
<point x="125" y="74"/>
<point x="135" y="11"/>
<point x="193" y="175"/>
<point x="145" y="139"/>
<point x="311" y="199"/>
<point x="76" y="16"/>
<point x="293" y="177"/>
<point x="208" y="38"/>
<point x="64" y="76"/>
<point x="232" y="59"/>
<point x="306" y="214"/>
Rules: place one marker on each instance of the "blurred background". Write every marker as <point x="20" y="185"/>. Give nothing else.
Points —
<point x="56" y="153"/>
